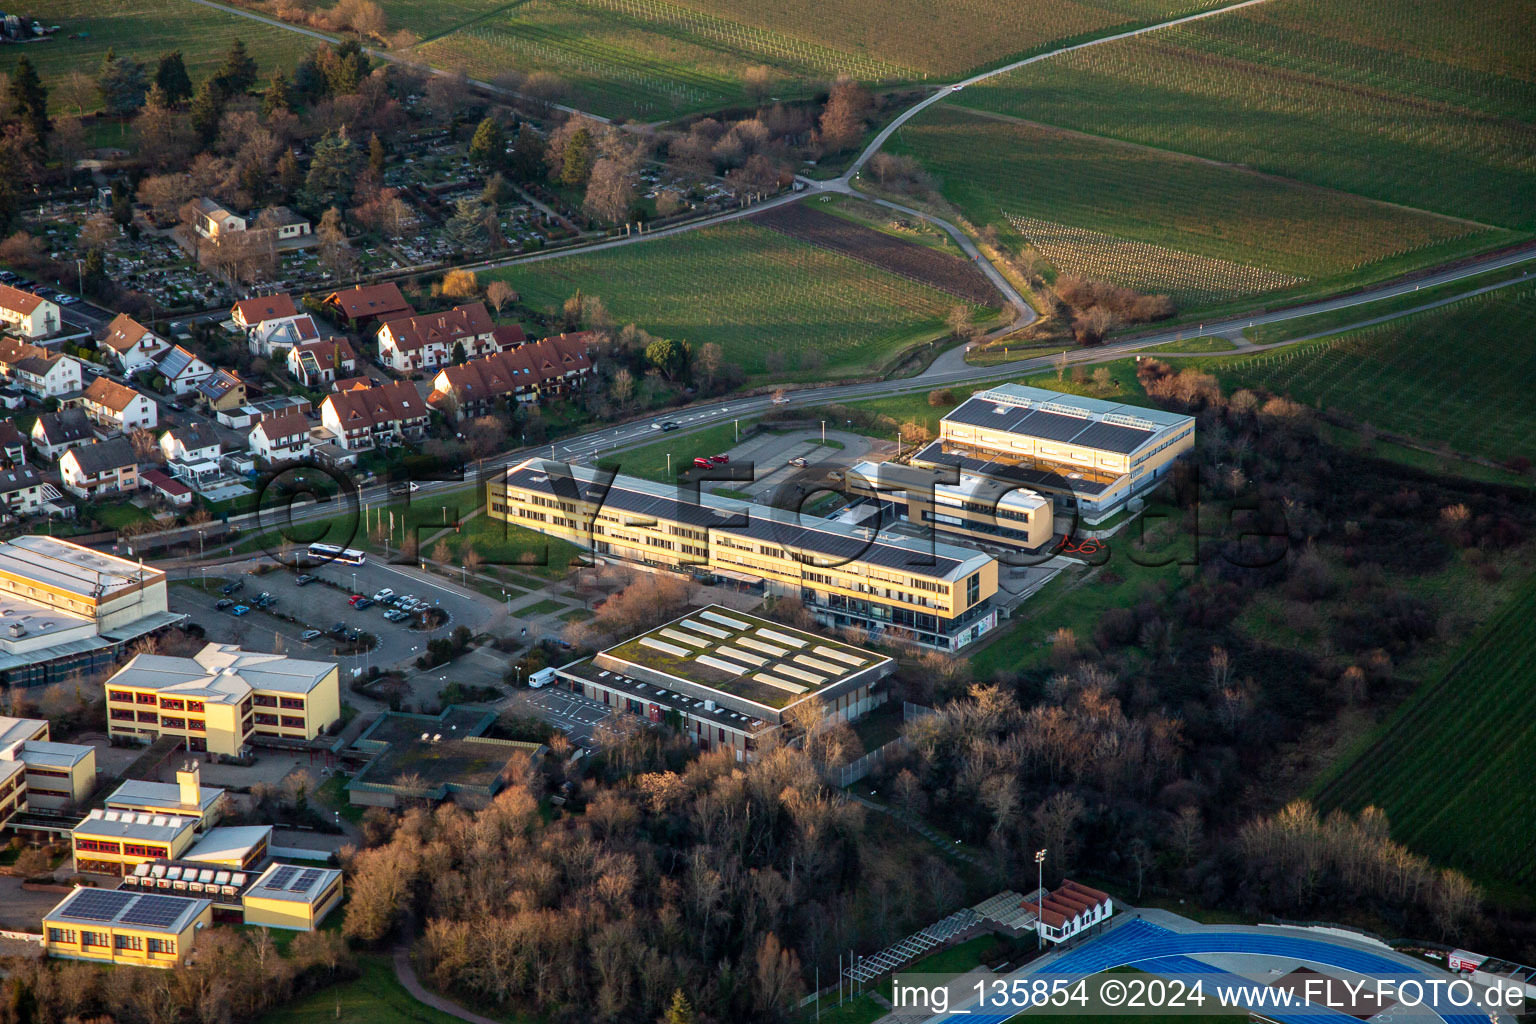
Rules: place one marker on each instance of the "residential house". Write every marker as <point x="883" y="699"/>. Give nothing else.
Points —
<point x="432" y="339"/>
<point x="285" y="222"/>
<point x="281" y="438"/>
<point x="366" y="303"/>
<point x="100" y="469"/>
<point x="173" y="491"/>
<point x="133" y="346"/>
<point x="31" y="316"/>
<point x="38" y="371"/>
<point x="509" y="336"/>
<point x="118" y="408"/>
<point x="215" y="219"/>
<point x="276" y="336"/>
<point x="351" y="384"/>
<point x="22" y="491"/>
<point x="221" y="392"/>
<point x="317" y="363"/>
<point x="192" y="453"/>
<point x="55" y="433"/>
<point x="13" y="447"/>
<point x="389" y="414"/>
<point x="552" y="366"/>
<point x="183" y="369"/>
<point x="248" y="313"/>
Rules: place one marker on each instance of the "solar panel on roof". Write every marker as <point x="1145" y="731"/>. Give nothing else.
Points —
<point x="280" y="878"/>
<point x="98" y="904"/>
<point x="154" y="911"/>
<point x="305" y="880"/>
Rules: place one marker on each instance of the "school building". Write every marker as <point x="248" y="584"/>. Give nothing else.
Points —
<point x="113" y="842"/>
<point x="937" y="594"/>
<point x="57" y="775"/>
<point x="185" y="797"/>
<point x="729" y="680"/>
<point x="1090" y="455"/>
<point x="116" y="926"/>
<point x="972" y="509"/>
<point x="222" y="698"/>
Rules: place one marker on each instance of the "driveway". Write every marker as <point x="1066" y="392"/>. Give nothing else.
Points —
<point x="769" y="456"/>
<point x="585" y="721"/>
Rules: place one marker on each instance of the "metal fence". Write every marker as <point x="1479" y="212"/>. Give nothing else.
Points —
<point x="853" y="771"/>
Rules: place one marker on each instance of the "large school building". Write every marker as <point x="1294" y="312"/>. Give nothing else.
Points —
<point x="221" y="698"/>
<point x="115" y="926"/>
<point x="1091" y="456"/>
<point x="938" y="594"/>
<point x="57" y="775"/>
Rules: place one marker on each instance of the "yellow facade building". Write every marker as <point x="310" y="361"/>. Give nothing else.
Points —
<point x="58" y="775"/>
<point x="113" y="842"/>
<point x="293" y="897"/>
<point x="186" y="797"/>
<point x="221" y="698"/>
<point x="963" y="507"/>
<point x="937" y="594"/>
<point x="116" y="926"/>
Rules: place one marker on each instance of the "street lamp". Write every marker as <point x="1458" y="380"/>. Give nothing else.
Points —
<point x="1039" y="903"/>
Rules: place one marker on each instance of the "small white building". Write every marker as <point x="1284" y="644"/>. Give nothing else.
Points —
<point x="118" y="408"/>
<point x="132" y="346"/>
<point x="183" y="370"/>
<point x="1069" y="909"/>
<point x="281" y="438"/>
<point x="195" y="442"/>
<point x="215" y="219"/>
<point x="31" y="316"/>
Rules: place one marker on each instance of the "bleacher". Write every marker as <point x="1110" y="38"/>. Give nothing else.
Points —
<point x="1007" y="910"/>
<point x="898" y="955"/>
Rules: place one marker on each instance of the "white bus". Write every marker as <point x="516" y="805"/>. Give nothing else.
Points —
<point x="332" y="553"/>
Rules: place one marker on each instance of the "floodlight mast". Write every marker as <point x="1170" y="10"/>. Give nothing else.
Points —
<point x="1039" y="901"/>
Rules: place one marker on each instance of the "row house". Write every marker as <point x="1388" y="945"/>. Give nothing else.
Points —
<point x="431" y="340"/>
<point x="372" y="303"/>
<point x="281" y="438"/>
<point x="319" y="363"/>
<point x="183" y="370"/>
<point x="392" y="413"/>
<point x="529" y="373"/>
<point x="55" y="433"/>
<point x="38" y="371"/>
<point x="132" y="346"/>
<point x="117" y="408"/>
<point x="31" y="316"/>
<point x="99" y="470"/>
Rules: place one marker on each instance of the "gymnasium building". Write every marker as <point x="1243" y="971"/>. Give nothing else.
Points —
<point x="117" y="926"/>
<point x="1090" y="456"/>
<point x="727" y="679"/>
<point x="938" y="594"/>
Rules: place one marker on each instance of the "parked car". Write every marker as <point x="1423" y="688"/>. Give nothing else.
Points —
<point x="396" y="615"/>
<point x="720" y="460"/>
<point x="66" y="300"/>
<point x="381" y="596"/>
<point x="310" y="634"/>
<point x="362" y="602"/>
<point x="305" y="580"/>
<point x="232" y="587"/>
<point x="223" y="603"/>
<point x="354" y="599"/>
<point x="239" y="609"/>
<point x="703" y="463"/>
<point x="338" y="631"/>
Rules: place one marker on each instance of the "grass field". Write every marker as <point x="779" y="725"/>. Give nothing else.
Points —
<point x="998" y="170"/>
<point x="375" y="997"/>
<point x="766" y="299"/>
<point x="144" y="29"/>
<point x="1432" y="106"/>
<point x="650" y="461"/>
<point x="1435" y="377"/>
<point x="1467" y="735"/>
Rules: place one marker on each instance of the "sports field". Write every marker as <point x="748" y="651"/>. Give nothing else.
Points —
<point x="1465" y="741"/>
<point x="1433" y="106"/>
<point x="144" y="29"/>
<point x="1459" y="374"/>
<point x="768" y="300"/>
<point x="1231" y="229"/>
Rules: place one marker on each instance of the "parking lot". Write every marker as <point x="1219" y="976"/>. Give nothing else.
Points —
<point x="318" y="606"/>
<point x="587" y="722"/>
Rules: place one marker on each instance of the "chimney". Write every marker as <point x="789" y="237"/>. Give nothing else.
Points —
<point x="188" y="778"/>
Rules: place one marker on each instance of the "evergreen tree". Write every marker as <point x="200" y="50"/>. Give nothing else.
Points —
<point x="527" y="155"/>
<point x="345" y="67"/>
<point x="207" y="110"/>
<point x="577" y="166"/>
<point x="332" y="172"/>
<point x="278" y="95"/>
<point x="376" y="155"/>
<point x="238" y="73"/>
<point x="122" y="83"/>
<point x="30" y="100"/>
<point x="94" y="271"/>
<point x="171" y="76"/>
<point x="489" y="146"/>
<point x="679" y="1011"/>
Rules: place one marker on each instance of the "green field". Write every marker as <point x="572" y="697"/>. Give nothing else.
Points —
<point x="375" y="997"/>
<point x="1426" y="376"/>
<point x="753" y="291"/>
<point x="144" y="29"/>
<point x="1150" y="210"/>
<point x="651" y="461"/>
<point x="1432" y="106"/>
<point x="1468" y="735"/>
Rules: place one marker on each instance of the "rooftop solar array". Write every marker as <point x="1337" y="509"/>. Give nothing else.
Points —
<point x="1026" y="476"/>
<point x="119" y="906"/>
<point x="824" y="542"/>
<point x="1049" y="416"/>
<point x="280" y="878"/>
<point x="154" y="911"/>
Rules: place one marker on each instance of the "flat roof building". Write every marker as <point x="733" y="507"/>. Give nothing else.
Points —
<point x="1090" y="454"/>
<point x="121" y="927"/>
<point x="848" y="576"/>
<point x="222" y="698"/>
<point x="973" y="508"/>
<point x="728" y="679"/>
<point x="58" y="775"/>
<point x="292" y="897"/>
<point x="241" y="847"/>
<point x="66" y="609"/>
<point x="112" y="842"/>
<point x="184" y="797"/>
<point x="432" y="757"/>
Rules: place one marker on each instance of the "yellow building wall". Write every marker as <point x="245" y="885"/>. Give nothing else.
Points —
<point x="80" y="782"/>
<point x="294" y="915"/>
<point x="135" y="954"/>
<point x="127" y="861"/>
<point x="222" y="732"/>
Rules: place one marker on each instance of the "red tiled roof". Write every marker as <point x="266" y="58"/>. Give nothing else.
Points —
<point x="328" y="353"/>
<point x="22" y="302"/>
<point x="509" y="336"/>
<point x="284" y="424"/>
<point x="265" y="307"/>
<point x="160" y="481"/>
<point x="1067" y="901"/>
<point x="512" y="370"/>
<point x="446" y="327"/>
<point x="384" y="404"/>
<point x="374" y="300"/>
<point x="123" y="333"/>
<point x="110" y="393"/>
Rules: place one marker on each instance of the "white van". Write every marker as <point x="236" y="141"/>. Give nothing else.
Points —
<point x="543" y="677"/>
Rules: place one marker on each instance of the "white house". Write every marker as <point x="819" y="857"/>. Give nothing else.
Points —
<point x="364" y="418"/>
<point x="38" y="371"/>
<point x="214" y="219"/>
<point x="281" y="438"/>
<point x="195" y="442"/>
<point x="101" y="469"/>
<point x="277" y="335"/>
<point x="247" y="313"/>
<point x="22" y="491"/>
<point x="118" y="408"/>
<point x="183" y="370"/>
<point x="285" y="222"/>
<point x="318" y="363"/>
<point x="429" y="340"/>
<point x="29" y="315"/>
<point x="1071" y="908"/>
<point x="55" y="433"/>
<point x="133" y="346"/>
